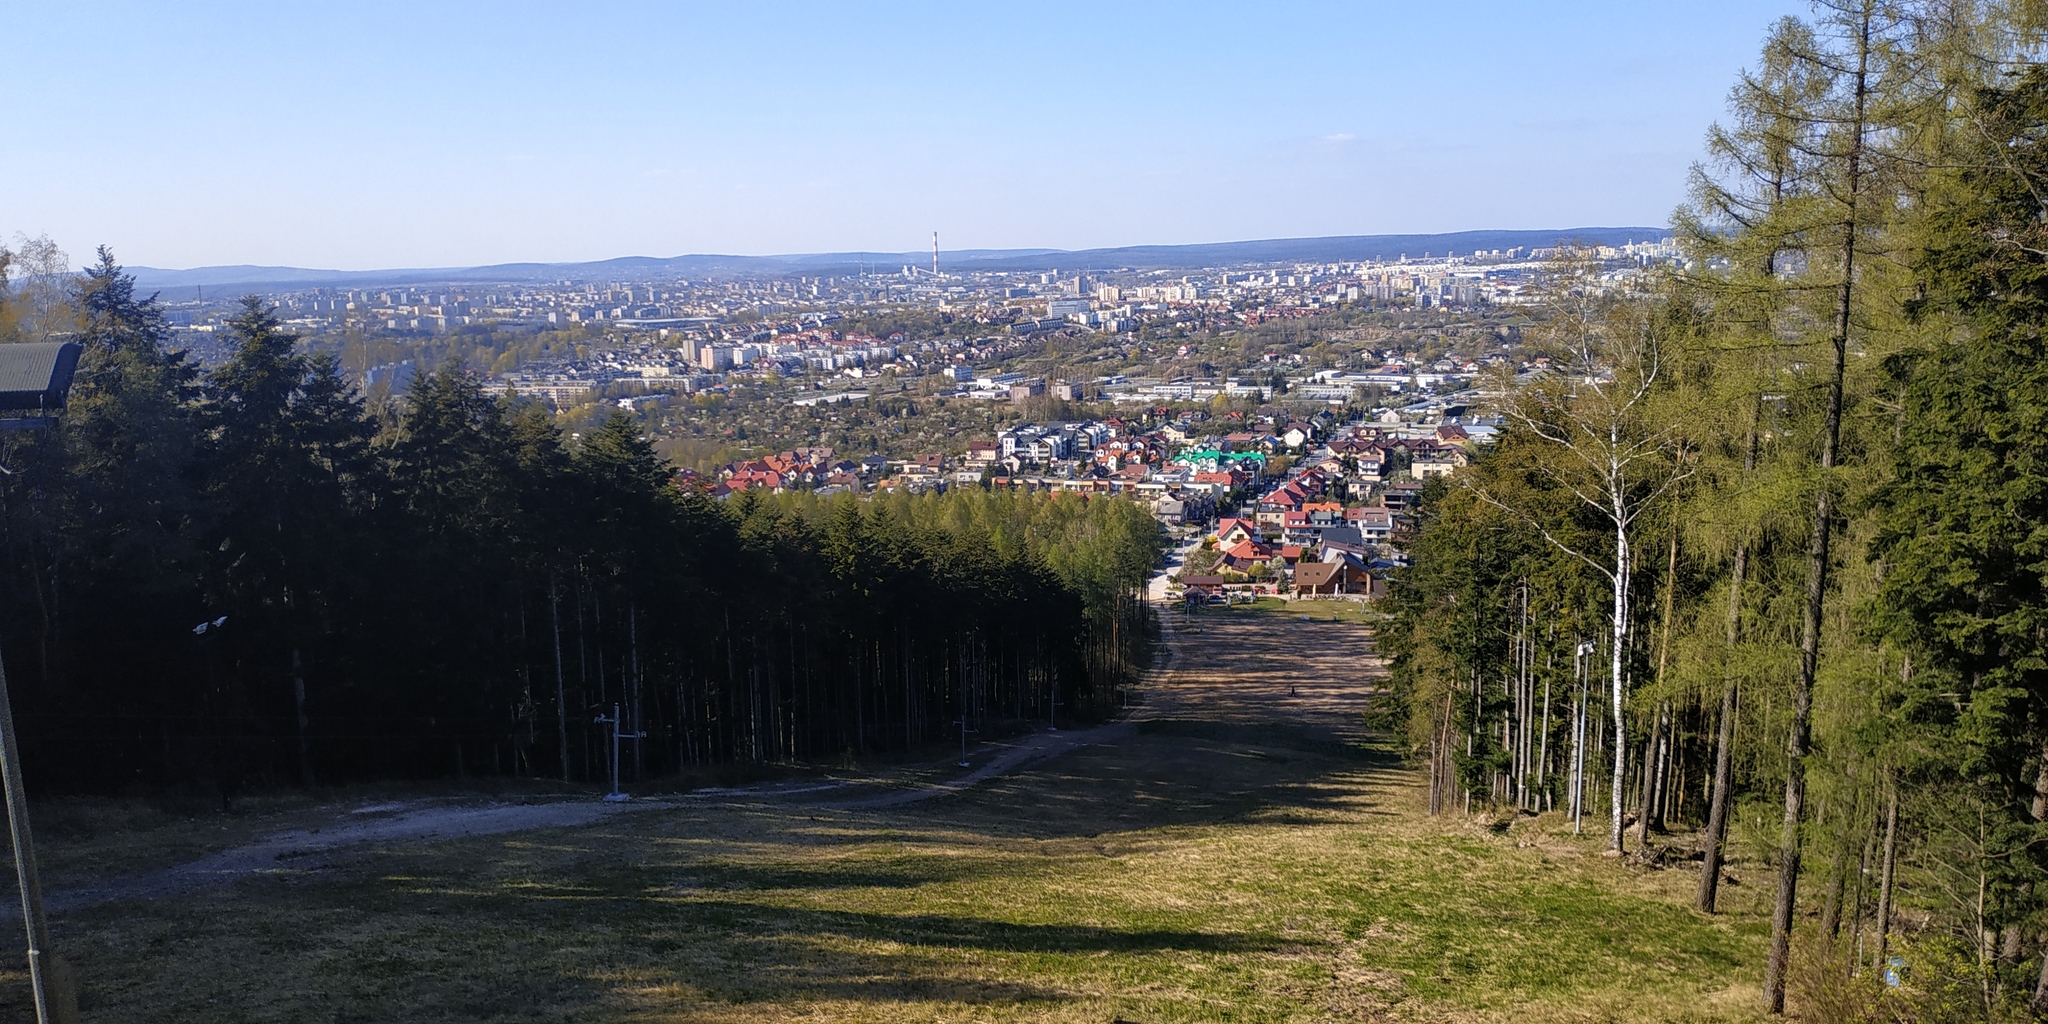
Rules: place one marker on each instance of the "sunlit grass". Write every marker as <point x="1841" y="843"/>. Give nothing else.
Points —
<point x="1310" y="890"/>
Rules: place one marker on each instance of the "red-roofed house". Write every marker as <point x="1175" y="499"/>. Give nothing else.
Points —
<point x="1229" y="532"/>
<point x="1273" y="508"/>
<point x="1246" y="554"/>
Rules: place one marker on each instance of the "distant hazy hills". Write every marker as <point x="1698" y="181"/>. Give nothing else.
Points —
<point x="1330" y="249"/>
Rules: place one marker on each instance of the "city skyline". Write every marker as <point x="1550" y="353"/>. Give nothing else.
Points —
<point x="461" y="136"/>
<point x="1237" y="253"/>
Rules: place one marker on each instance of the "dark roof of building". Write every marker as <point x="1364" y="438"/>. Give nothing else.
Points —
<point x="36" y="376"/>
<point x="1315" y="574"/>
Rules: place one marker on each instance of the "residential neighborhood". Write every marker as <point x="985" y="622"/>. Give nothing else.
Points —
<point x="1267" y="485"/>
<point x="1265" y="503"/>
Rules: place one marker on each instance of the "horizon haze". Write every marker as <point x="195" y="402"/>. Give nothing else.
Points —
<point x="1338" y="248"/>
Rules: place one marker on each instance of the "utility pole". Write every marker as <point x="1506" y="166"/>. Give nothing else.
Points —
<point x="963" y="740"/>
<point x="616" y="721"/>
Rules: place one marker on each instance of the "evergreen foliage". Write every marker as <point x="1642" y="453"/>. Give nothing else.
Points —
<point x="456" y="586"/>
<point x="1835" y="666"/>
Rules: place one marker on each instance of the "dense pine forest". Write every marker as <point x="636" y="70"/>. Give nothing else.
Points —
<point x="221" y="578"/>
<point x="1760" y="562"/>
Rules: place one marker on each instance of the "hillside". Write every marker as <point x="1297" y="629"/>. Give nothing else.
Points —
<point x="1336" y="248"/>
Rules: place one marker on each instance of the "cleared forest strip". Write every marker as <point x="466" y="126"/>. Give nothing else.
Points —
<point x="1243" y="851"/>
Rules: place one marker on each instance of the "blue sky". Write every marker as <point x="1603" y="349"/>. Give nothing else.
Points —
<point x="369" y="135"/>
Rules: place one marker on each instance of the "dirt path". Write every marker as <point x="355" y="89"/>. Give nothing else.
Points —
<point x="308" y="848"/>
<point x="303" y="848"/>
<point x="1247" y="666"/>
<point x="1009" y="757"/>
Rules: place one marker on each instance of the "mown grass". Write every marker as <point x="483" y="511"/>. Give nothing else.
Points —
<point x="1243" y="867"/>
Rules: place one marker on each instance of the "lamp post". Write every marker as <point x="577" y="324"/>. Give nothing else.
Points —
<point x="34" y="380"/>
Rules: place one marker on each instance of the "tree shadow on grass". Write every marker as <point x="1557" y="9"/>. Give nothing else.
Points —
<point x="434" y="948"/>
<point x="1178" y="772"/>
<point x="962" y="932"/>
<point x="709" y="948"/>
<point x="660" y="874"/>
<point x="811" y="955"/>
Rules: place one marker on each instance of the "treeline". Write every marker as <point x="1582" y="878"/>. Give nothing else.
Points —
<point x="242" y="575"/>
<point x="489" y="347"/>
<point x="1760" y="570"/>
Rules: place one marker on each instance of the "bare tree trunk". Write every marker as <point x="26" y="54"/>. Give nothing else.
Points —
<point x="1646" y="782"/>
<point x="1525" y="724"/>
<point x="1856" y="885"/>
<point x="1724" y="732"/>
<point x="639" y="729"/>
<point x="1653" y="773"/>
<point x="1789" y="849"/>
<point x="591" y="750"/>
<point x="2040" y="810"/>
<point x="1884" y="883"/>
<point x="1831" y="904"/>
<point x="1472" y="734"/>
<point x="1818" y="550"/>
<point x="1717" y="809"/>
<point x="1543" y="747"/>
<point x="561" y="682"/>
<point x="1438" y="740"/>
<point x="1450" y="760"/>
<point x="1659" y="758"/>
<point x="299" y="698"/>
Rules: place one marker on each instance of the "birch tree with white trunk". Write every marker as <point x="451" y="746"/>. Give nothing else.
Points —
<point x="1598" y="404"/>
